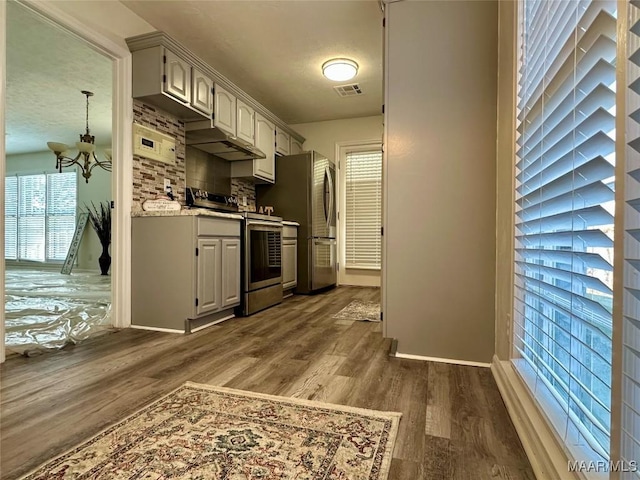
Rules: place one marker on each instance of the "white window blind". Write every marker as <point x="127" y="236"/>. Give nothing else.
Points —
<point x="363" y="209"/>
<point x="32" y="203"/>
<point x="61" y="214"/>
<point x="564" y="215"/>
<point x="40" y="216"/>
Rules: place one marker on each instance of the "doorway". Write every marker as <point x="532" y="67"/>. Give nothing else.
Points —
<point x="47" y="100"/>
<point x="121" y="117"/>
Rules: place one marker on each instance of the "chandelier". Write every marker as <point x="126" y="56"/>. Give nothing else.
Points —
<point x="86" y="158"/>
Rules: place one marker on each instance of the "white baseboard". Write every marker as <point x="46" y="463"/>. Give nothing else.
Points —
<point x="548" y="460"/>
<point x="156" y="329"/>
<point x="215" y="322"/>
<point x="442" y="360"/>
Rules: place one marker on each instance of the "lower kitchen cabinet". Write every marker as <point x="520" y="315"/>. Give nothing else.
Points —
<point x="185" y="271"/>
<point x="289" y="258"/>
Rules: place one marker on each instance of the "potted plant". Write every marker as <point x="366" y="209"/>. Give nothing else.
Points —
<point x="100" y="219"/>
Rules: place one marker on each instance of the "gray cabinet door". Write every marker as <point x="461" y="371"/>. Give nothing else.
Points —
<point x="208" y="275"/>
<point x="230" y="272"/>
<point x="201" y="91"/>
<point x="224" y="105"/>
<point x="177" y="80"/>
<point x="265" y="168"/>
<point x="296" y="147"/>
<point x="289" y="263"/>
<point x="245" y="122"/>
<point x="282" y="142"/>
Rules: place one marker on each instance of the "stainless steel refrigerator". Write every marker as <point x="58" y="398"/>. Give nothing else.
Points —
<point x="304" y="192"/>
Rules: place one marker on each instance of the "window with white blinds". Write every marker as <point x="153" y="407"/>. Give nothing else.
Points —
<point x="40" y="216"/>
<point x="363" y="209"/>
<point x="564" y="215"/>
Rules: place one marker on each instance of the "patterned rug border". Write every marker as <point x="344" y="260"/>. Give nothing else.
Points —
<point x="393" y="417"/>
<point x="297" y="401"/>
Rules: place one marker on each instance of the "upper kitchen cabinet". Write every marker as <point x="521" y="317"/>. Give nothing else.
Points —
<point x="224" y="115"/>
<point x="296" y="147"/>
<point x="245" y="122"/>
<point x="282" y="142"/>
<point x="168" y="81"/>
<point x="176" y="78"/>
<point x="219" y="117"/>
<point x="265" y="168"/>
<point x="262" y="170"/>
<point x="201" y="92"/>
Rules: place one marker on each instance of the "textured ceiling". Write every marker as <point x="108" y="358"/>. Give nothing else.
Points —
<point x="274" y="49"/>
<point x="46" y="70"/>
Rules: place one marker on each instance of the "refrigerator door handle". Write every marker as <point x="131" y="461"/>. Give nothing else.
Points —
<point x="331" y="199"/>
<point x="324" y="241"/>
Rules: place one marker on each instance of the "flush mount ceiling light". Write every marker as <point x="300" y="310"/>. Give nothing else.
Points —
<point x="340" y="69"/>
<point x="86" y="158"/>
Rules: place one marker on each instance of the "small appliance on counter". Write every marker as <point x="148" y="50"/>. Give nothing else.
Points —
<point x="261" y="250"/>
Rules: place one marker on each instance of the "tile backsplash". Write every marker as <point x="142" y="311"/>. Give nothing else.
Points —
<point x="240" y="188"/>
<point x="193" y="167"/>
<point x="149" y="175"/>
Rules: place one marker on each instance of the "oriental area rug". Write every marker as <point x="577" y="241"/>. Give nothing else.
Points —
<point x="360" y="310"/>
<point x="205" y="432"/>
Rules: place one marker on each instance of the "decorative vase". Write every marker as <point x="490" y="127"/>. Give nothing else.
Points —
<point x="104" y="260"/>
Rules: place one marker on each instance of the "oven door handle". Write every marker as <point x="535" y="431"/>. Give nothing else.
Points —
<point x="264" y="223"/>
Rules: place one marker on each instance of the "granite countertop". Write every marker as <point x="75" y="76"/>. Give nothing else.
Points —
<point x="187" y="211"/>
<point x="290" y="224"/>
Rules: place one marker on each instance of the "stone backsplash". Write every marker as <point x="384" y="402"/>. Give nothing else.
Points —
<point x="149" y="175"/>
<point x="241" y="188"/>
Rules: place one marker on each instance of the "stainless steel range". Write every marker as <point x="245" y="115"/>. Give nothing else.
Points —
<point x="262" y="262"/>
<point x="261" y="251"/>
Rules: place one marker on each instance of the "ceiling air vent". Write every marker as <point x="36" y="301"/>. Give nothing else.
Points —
<point x="348" y="90"/>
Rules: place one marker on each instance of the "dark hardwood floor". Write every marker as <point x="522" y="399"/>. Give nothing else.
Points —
<point x="454" y="423"/>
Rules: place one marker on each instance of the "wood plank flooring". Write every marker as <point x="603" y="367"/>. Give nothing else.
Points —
<point x="454" y="423"/>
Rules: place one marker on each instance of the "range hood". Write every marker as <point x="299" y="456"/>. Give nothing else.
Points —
<point x="203" y="136"/>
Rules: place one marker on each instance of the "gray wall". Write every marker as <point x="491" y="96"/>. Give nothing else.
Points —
<point x="440" y="227"/>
